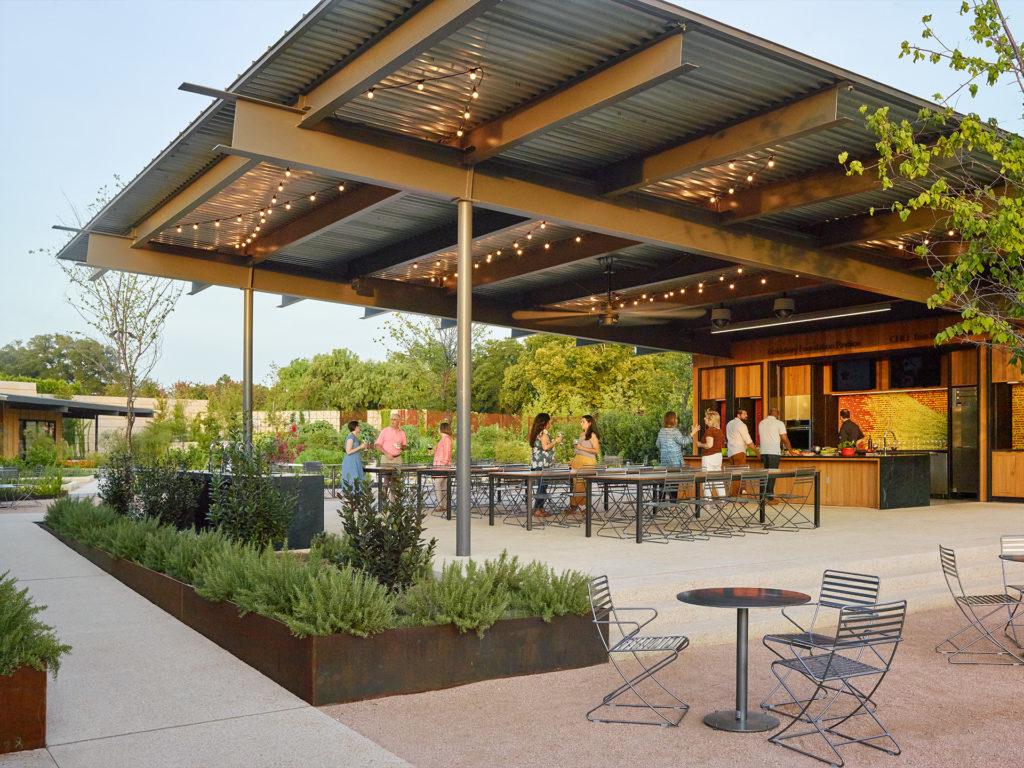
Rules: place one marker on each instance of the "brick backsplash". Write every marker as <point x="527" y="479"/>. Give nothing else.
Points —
<point x="918" y="418"/>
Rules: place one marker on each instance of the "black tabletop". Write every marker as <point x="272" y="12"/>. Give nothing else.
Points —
<point x="743" y="597"/>
<point x="1013" y="558"/>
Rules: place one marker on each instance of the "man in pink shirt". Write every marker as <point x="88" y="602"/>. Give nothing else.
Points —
<point x="391" y="442"/>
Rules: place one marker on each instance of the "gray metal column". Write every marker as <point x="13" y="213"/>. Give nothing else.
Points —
<point x="463" y="383"/>
<point x="247" y="368"/>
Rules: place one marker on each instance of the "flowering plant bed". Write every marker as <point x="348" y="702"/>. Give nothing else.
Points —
<point x="340" y="667"/>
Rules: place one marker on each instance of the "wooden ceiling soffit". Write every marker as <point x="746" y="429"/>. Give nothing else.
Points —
<point x="350" y="205"/>
<point x="110" y="252"/>
<point x="217" y="178"/>
<point x="800" y="118"/>
<point x="644" y="69"/>
<point x="623" y="279"/>
<point x="883" y="225"/>
<point x="262" y="132"/>
<point x="389" y="52"/>
<point x="426" y="244"/>
<point x="561" y="253"/>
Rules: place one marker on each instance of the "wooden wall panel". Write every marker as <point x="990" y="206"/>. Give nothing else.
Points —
<point x="1002" y="368"/>
<point x="1008" y="474"/>
<point x="963" y="367"/>
<point x="747" y="381"/>
<point x="796" y="380"/>
<point x="9" y="425"/>
<point x="712" y="384"/>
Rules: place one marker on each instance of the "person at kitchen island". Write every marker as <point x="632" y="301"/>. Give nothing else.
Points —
<point x="772" y="434"/>
<point x="849" y="431"/>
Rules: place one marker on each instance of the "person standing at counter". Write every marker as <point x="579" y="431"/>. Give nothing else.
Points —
<point x="772" y="433"/>
<point x="737" y="439"/>
<point x="711" y="449"/>
<point x="849" y="431"/>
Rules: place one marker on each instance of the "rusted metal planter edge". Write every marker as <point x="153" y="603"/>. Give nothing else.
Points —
<point x="338" y="668"/>
<point x="22" y="710"/>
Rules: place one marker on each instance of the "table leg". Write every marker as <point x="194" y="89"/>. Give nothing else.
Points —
<point x="590" y="487"/>
<point x="529" y="504"/>
<point x="639" y="508"/>
<point x="817" y="499"/>
<point x="740" y="719"/>
<point x="380" y="491"/>
<point x="419" y="493"/>
<point x="448" y="499"/>
<point x="490" y="498"/>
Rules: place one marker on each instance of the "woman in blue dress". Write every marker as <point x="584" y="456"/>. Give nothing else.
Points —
<point x="352" y="464"/>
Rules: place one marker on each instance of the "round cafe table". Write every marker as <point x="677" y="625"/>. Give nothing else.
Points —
<point x="742" y="599"/>
<point x="1013" y="558"/>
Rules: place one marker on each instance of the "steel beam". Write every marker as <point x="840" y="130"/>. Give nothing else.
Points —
<point x="261" y="132"/>
<point x="247" y="368"/>
<point x="287" y="301"/>
<point x="464" y="378"/>
<point x="97" y="274"/>
<point x="643" y="69"/>
<point x="881" y="226"/>
<point x="223" y="174"/>
<point x="197" y="286"/>
<point x="756" y="202"/>
<point x="350" y="205"/>
<point x="438" y="240"/>
<point x="793" y="121"/>
<point x="561" y="252"/>
<point x="186" y="264"/>
<point x="417" y="32"/>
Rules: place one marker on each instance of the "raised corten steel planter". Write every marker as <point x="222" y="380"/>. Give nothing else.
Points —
<point x="339" y="668"/>
<point x="22" y="710"/>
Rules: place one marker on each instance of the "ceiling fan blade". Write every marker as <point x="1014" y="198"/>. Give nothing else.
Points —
<point x="570" y="319"/>
<point x="680" y="313"/>
<point x="546" y="314"/>
<point x="637" y="318"/>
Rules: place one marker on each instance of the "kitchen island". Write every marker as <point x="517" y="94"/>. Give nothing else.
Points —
<point x="881" y="481"/>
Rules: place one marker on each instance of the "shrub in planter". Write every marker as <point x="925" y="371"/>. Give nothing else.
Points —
<point x="116" y="484"/>
<point x="385" y="540"/>
<point x="25" y="644"/>
<point x="245" y="503"/>
<point x="168" y="492"/>
<point x="470" y="600"/>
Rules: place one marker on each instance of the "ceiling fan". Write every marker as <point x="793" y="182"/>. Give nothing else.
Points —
<point x="608" y="312"/>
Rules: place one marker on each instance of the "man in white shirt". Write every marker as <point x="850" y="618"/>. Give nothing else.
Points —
<point x="737" y="438"/>
<point x="772" y="432"/>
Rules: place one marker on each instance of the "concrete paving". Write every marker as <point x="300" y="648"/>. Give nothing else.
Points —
<point x="141" y="689"/>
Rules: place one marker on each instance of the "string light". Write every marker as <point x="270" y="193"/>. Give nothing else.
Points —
<point x="769" y="163"/>
<point x="420" y="83"/>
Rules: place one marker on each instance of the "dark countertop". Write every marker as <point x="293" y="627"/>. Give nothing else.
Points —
<point x="879" y="455"/>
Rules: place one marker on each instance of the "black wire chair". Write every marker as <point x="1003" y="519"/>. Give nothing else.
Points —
<point x="845" y="674"/>
<point x="652" y="654"/>
<point x="979" y="610"/>
<point x="839" y="589"/>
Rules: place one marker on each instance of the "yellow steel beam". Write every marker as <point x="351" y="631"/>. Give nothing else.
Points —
<point x="420" y="32"/>
<point x="265" y="133"/>
<point x="882" y="226"/>
<point x="110" y="252"/>
<point x="219" y="177"/>
<point x="560" y="253"/>
<point x="801" y="118"/>
<point x="350" y="205"/>
<point x="774" y="198"/>
<point x="644" y="69"/>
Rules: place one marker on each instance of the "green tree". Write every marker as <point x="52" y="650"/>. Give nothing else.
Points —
<point x="491" y="358"/>
<point x="554" y="375"/>
<point x="81" y="361"/>
<point x="971" y="174"/>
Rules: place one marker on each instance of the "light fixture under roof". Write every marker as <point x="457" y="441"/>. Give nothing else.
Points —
<point x="806" y="317"/>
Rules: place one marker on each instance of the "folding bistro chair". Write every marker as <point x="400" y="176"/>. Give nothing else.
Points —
<point x="652" y="654"/>
<point x="1013" y="544"/>
<point x="670" y="511"/>
<point x="750" y="487"/>
<point x="839" y="589"/>
<point x="979" y="610"/>
<point x="789" y="514"/>
<point x="846" y="673"/>
<point x="11" y="491"/>
<point x="714" y="506"/>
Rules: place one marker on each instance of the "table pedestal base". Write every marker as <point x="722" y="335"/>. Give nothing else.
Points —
<point x="728" y="720"/>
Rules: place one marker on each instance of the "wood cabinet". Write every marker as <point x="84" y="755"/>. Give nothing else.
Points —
<point x="712" y="384"/>
<point x="1008" y="474"/>
<point x="747" y="381"/>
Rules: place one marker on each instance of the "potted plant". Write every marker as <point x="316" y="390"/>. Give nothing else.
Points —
<point x="28" y="648"/>
<point x="847" y="448"/>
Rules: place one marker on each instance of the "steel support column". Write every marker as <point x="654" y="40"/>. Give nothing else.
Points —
<point x="464" y="376"/>
<point x="247" y="368"/>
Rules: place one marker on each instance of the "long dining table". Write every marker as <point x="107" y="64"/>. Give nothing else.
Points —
<point x="638" y="480"/>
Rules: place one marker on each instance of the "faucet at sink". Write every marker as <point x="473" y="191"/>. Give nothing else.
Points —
<point x="885" y="441"/>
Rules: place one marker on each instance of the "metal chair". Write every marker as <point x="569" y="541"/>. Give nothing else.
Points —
<point x="979" y="611"/>
<point x="653" y="654"/>
<point x="12" y="492"/>
<point x="789" y="514"/>
<point x="671" y="510"/>
<point x="839" y="589"/>
<point x="846" y="674"/>
<point x="1012" y="544"/>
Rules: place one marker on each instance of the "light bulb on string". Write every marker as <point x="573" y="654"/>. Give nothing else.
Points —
<point x="287" y="171"/>
<point x="732" y="190"/>
<point x="369" y="93"/>
<point x="217" y="223"/>
<point x="543" y="225"/>
<point x="475" y="94"/>
<point x="179" y="229"/>
<point x="714" y="199"/>
<point x="273" y="200"/>
<point x="239" y="219"/>
<point x="341" y="187"/>
<point x="472" y="74"/>
<point x="750" y="177"/>
<point x="732" y="165"/>
<point x="519" y="252"/>
<point x="530" y="236"/>
<point x="458" y="132"/>
<point x="312" y="198"/>
<point x="287" y="206"/>
<point x="419" y="86"/>
<point x="467" y="114"/>
<point x="195" y="227"/>
<point x="764" y="281"/>
<point x="579" y="238"/>
<point x="771" y="161"/>
<point x="547" y="246"/>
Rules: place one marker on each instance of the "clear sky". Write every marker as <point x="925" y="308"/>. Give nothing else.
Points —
<point x="90" y="91"/>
